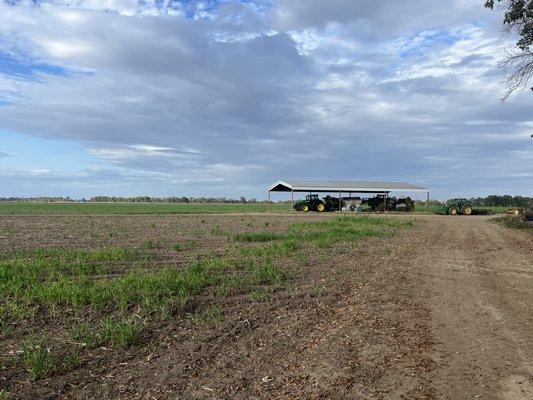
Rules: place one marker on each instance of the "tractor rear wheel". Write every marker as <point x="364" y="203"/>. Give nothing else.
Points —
<point x="320" y="207"/>
<point x="467" y="210"/>
<point x="305" y="208"/>
<point x="453" y="211"/>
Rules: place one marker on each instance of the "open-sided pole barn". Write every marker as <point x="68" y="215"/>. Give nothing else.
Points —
<point x="344" y="187"/>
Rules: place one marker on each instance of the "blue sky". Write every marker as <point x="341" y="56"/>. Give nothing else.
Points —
<point x="221" y="98"/>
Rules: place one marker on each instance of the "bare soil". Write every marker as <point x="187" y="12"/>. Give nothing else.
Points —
<point x="440" y="311"/>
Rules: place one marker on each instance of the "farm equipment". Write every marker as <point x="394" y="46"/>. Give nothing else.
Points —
<point x="460" y="207"/>
<point x="313" y="203"/>
<point x="378" y="202"/>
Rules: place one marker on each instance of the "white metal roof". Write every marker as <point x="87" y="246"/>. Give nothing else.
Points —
<point x="344" y="186"/>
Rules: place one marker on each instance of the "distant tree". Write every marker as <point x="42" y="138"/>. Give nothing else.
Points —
<point x="518" y="20"/>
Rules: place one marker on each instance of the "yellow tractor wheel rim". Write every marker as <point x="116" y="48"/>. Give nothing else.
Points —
<point x="320" y="207"/>
<point x="468" y="211"/>
<point x="453" y="211"/>
<point x="305" y="208"/>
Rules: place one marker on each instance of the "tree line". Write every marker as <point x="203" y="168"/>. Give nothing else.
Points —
<point x="134" y="199"/>
<point x="493" y="200"/>
<point x="489" y="201"/>
<point x="502" y="201"/>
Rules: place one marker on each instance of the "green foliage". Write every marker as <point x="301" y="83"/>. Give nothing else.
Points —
<point x="150" y="245"/>
<point x="5" y="395"/>
<point x="320" y="290"/>
<point x="518" y="20"/>
<point x="216" y="230"/>
<point x="258" y="295"/>
<point x="289" y="245"/>
<point x="514" y="222"/>
<point x="53" y="281"/>
<point x="266" y="273"/>
<point x="259" y="236"/>
<point x="39" y="359"/>
<point x="502" y="201"/>
<point x="345" y="229"/>
<point x="123" y="333"/>
<point x="209" y="316"/>
<point x="84" y="335"/>
<point x="62" y="280"/>
<point x="519" y="14"/>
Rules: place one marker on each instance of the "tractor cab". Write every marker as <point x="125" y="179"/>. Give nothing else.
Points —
<point x="456" y="201"/>
<point x="312" y="197"/>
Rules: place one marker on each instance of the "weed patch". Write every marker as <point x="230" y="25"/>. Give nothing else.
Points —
<point x="39" y="359"/>
<point x="5" y="395"/>
<point x="513" y="222"/>
<point x="258" y="295"/>
<point x="123" y="333"/>
<point x="259" y="236"/>
<point x="211" y="316"/>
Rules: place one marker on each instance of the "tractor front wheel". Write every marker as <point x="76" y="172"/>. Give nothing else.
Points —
<point x="453" y="211"/>
<point x="320" y="207"/>
<point x="305" y="208"/>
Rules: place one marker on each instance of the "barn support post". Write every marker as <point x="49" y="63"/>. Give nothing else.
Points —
<point x="385" y="202"/>
<point x="340" y="201"/>
<point x="269" y="201"/>
<point x="427" y="202"/>
<point x="292" y="198"/>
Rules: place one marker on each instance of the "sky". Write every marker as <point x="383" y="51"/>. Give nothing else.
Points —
<point x="224" y="97"/>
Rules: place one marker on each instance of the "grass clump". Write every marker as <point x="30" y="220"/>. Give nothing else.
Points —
<point x="259" y="236"/>
<point x="286" y="247"/>
<point x="5" y="395"/>
<point x="122" y="333"/>
<point x="217" y="230"/>
<point x="258" y="295"/>
<point x="266" y="273"/>
<point x="150" y="245"/>
<point x="211" y="316"/>
<point x="39" y="359"/>
<point x="84" y="336"/>
<point x="345" y="229"/>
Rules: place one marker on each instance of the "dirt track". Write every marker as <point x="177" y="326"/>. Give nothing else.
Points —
<point x="442" y="311"/>
<point x="480" y="278"/>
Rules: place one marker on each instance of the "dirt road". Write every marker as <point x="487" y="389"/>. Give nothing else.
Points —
<point x="480" y="281"/>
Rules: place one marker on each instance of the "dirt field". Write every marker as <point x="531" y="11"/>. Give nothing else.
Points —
<point x="440" y="310"/>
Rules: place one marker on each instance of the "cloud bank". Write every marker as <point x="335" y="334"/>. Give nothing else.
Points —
<point x="224" y="97"/>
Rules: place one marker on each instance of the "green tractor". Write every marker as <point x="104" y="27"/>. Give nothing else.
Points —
<point x="456" y="207"/>
<point x="313" y="203"/>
